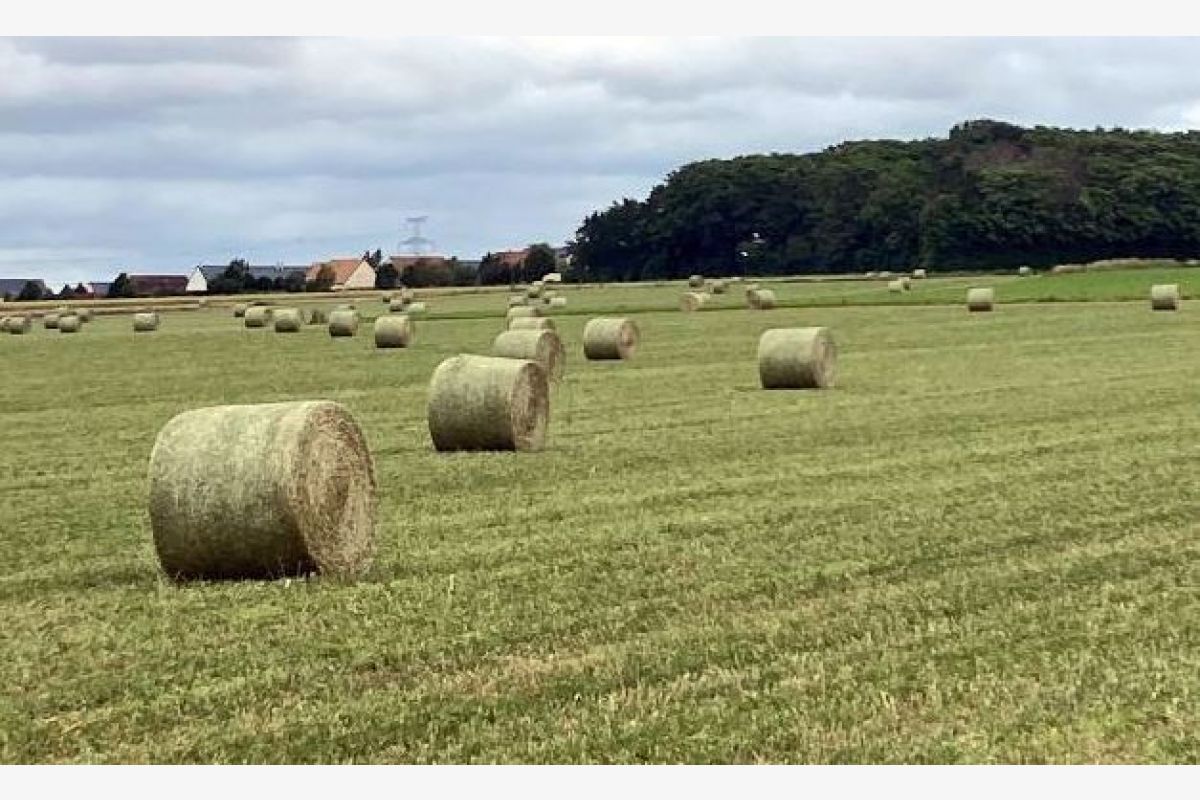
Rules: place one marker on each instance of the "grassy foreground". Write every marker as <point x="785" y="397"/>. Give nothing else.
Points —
<point x="982" y="546"/>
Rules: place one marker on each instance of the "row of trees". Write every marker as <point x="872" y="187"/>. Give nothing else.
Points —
<point x="991" y="194"/>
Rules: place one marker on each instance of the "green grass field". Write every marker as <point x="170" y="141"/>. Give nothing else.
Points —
<point x="980" y="547"/>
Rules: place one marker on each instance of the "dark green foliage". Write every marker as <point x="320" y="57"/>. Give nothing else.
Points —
<point x="121" y="287"/>
<point x="386" y="276"/>
<point x="538" y="261"/>
<point x="989" y="195"/>
<point x="323" y="282"/>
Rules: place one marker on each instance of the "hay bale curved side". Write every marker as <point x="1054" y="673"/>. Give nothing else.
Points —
<point x="50" y="321"/>
<point x="797" y="358"/>
<point x="397" y="304"/>
<point x="69" y="324"/>
<point x="261" y="491"/>
<point x="145" y="321"/>
<point x="515" y="300"/>
<point x="542" y="346"/>
<point x="239" y="310"/>
<point x="343" y="323"/>
<point x="415" y="309"/>
<point x="895" y="286"/>
<point x="693" y="301"/>
<point x="393" y="330"/>
<point x="519" y="312"/>
<point x="257" y="316"/>
<point x="980" y="299"/>
<point x="696" y="281"/>
<point x="532" y="324"/>
<point x="760" y="299"/>
<point x="1163" y="297"/>
<point x="919" y="273"/>
<point x="558" y="301"/>
<point x="84" y="314"/>
<point x="610" y="338"/>
<point x="486" y="403"/>
<point x="288" y="320"/>
<point x="19" y="324"/>
<point x="719" y="287"/>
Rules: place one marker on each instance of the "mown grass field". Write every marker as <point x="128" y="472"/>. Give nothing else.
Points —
<point x="982" y="546"/>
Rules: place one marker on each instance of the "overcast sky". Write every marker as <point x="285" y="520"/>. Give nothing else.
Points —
<point x="153" y="155"/>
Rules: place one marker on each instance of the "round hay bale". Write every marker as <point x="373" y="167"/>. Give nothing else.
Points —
<point x="516" y="300"/>
<point x="542" y="346"/>
<point x="1163" y="297"/>
<point x="693" y="301"/>
<point x="796" y="358"/>
<point x="239" y="310"/>
<point x="531" y="324"/>
<point x="257" y="317"/>
<point x="980" y="299"/>
<point x="696" y="281"/>
<point x="50" y="321"/>
<point x="343" y="323"/>
<point x="760" y="299"/>
<point x="415" y="309"/>
<point x="516" y="312"/>
<point x="19" y="324"/>
<point x="719" y="287"/>
<point x="386" y="297"/>
<point x="609" y="338"/>
<point x="69" y="323"/>
<point x="397" y="305"/>
<point x="486" y="403"/>
<point x="548" y="298"/>
<point x="918" y="274"/>
<point x="393" y="330"/>
<point x="895" y="286"/>
<point x="885" y="274"/>
<point x="84" y="314"/>
<point x="558" y="302"/>
<point x="3" y="324"/>
<point x="534" y="291"/>
<point x="1024" y="271"/>
<point x="145" y="321"/>
<point x="872" y="275"/>
<point x="288" y="320"/>
<point x="262" y="491"/>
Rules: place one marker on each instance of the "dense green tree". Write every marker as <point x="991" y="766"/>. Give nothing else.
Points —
<point x="539" y="260"/>
<point x="32" y="290"/>
<point x="387" y="276"/>
<point x="121" y="287"/>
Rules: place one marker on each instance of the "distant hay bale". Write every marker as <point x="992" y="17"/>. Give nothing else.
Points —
<point x="69" y="323"/>
<point x="796" y="358"/>
<point x="488" y="403"/>
<point x="872" y="274"/>
<point x="343" y="323"/>
<point x="397" y="304"/>
<point x="531" y="324"/>
<point x="516" y="300"/>
<point x="262" y="491"/>
<point x="257" y="317"/>
<point x="760" y="299"/>
<point x="696" y="281"/>
<point x="534" y="291"/>
<point x="558" y="302"/>
<point x="885" y="274"/>
<point x="541" y="346"/>
<point x="50" y="321"/>
<point x="517" y="312"/>
<point x="895" y="286"/>
<point x="1066" y="269"/>
<point x="980" y="299"/>
<point x="693" y="301"/>
<point x="145" y="321"/>
<point x="918" y="274"/>
<point x="415" y="309"/>
<point x="386" y="297"/>
<point x="318" y="316"/>
<point x="393" y="330"/>
<point x="609" y="338"/>
<point x="239" y="310"/>
<point x="288" y="320"/>
<point x="552" y="277"/>
<point x="1025" y="271"/>
<point x="19" y="324"/>
<point x="719" y="287"/>
<point x="1163" y="297"/>
<point x="84" y="314"/>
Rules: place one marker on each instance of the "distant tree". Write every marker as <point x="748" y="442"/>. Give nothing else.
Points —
<point x="539" y="260"/>
<point x="375" y="259"/>
<point x="386" y="276"/>
<point x="121" y="287"/>
<point x="323" y="282"/>
<point x="427" y="272"/>
<point x="30" y="291"/>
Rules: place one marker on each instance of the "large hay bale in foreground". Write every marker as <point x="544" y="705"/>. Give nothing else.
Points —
<point x="760" y="299"/>
<point x="69" y="323"/>
<point x="1024" y="271"/>
<point x="531" y="324"/>
<point x="542" y="346"/>
<point x="610" y="338"/>
<point x="693" y="301"/>
<point x="50" y="321"/>
<point x="288" y="320"/>
<point x="796" y="358"/>
<point x="980" y="299"/>
<point x="145" y="322"/>
<point x="1163" y="297"/>
<point x="486" y="403"/>
<point x="393" y="330"/>
<point x="696" y="282"/>
<point x="558" y="302"/>
<point x="262" y="491"/>
<point x="517" y="312"/>
<point x="257" y="317"/>
<point x="343" y="323"/>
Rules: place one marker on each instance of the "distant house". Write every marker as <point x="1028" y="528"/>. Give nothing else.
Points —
<point x="157" y="285"/>
<point x="513" y="259"/>
<point x="11" y="287"/>
<point x="202" y="275"/>
<point x="348" y="273"/>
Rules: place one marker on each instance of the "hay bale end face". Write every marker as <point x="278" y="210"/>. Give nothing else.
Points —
<point x="693" y="301"/>
<point x="256" y="317"/>
<point x="895" y="286"/>
<point x="541" y="346"/>
<point x="343" y="323"/>
<point x="288" y="320"/>
<point x="393" y="330"/>
<point x="288" y="489"/>
<point x="760" y="299"/>
<point x="50" y="321"/>
<point x="19" y="325"/>
<point x="980" y="299"/>
<point x="797" y="358"/>
<point x="69" y="324"/>
<point x="1163" y="297"/>
<point x="145" y="322"/>
<point x="610" y="338"/>
<point x="531" y="324"/>
<point x="485" y="403"/>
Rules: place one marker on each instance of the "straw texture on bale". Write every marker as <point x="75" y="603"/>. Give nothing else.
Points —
<point x="84" y="314"/>
<point x="760" y="299"/>
<point x="1163" y="297"/>
<point x="69" y="324"/>
<point x="257" y="317"/>
<point x="980" y="299"/>
<point x="696" y="281"/>
<point x="145" y="322"/>
<point x="1025" y="271"/>
<point x="415" y="309"/>
<point x="288" y="320"/>
<point x="486" y="403"/>
<point x="608" y="338"/>
<point x="19" y="324"/>
<point x="542" y="346"/>
<point x="393" y="330"/>
<point x="262" y="491"/>
<point x="558" y="302"/>
<point x="343" y="323"/>
<point x="796" y="358"/>
<point x="718" y="287"/>
<point x="919" y="273"/>
<point x="693" y="301"/>
<point x="239" y="310"/>
<point x="517" y="312"/>
<point x="50" y="321"/>
<point x="531" y="324"/>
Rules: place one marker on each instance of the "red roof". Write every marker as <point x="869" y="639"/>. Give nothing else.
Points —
<point x="158" y="284"/>
<point x="343" y="268"/>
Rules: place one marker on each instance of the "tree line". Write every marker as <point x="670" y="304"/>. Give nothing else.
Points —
<point x="990" y="194"/>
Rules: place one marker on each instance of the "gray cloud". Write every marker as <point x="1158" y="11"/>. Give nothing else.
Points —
<point x="156" y="154"/>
